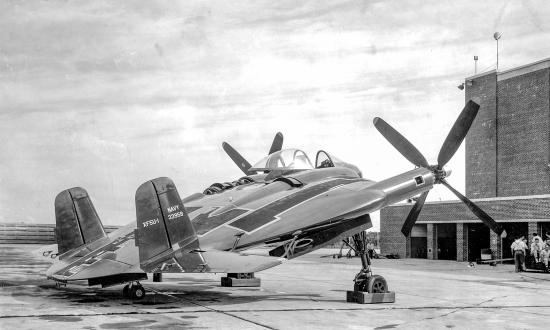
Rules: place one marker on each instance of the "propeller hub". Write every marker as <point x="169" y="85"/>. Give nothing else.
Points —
<point x="440" y="173"/>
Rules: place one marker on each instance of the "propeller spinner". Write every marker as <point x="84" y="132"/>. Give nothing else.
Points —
<point x="448" y="149"/>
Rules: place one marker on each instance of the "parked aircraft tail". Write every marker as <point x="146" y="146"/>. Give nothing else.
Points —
<point x="77" y="222"/>
<point x="165" y="237"/>
<point x="167" y="241"/>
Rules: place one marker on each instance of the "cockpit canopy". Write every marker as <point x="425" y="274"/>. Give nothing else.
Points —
<point x="286" y="159"/>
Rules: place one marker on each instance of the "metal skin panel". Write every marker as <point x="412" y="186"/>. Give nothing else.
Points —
<point x="67" y="228"/>
<point x="90" y="224"/>
<point x="205" y="222"/>
<point x="119" y="246"/>
<point x="170" y="243"/>
<point x="231" y="262"/>
<point x="403" y="186"/>
<point x="177" y="222"/>
<point x="77" y="222"/>
<point x="269" y="213"/>
<point x="151" y="230"/>
<point x="310" y="242"/>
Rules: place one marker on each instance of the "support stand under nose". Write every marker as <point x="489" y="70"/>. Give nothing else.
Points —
<point x="367" y="288"/>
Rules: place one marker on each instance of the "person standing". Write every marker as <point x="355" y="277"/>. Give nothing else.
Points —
<point x="370" y="249"/>
<point x="545" y="255"/>
<point x="536" y="248"/>
<point x="535" y="237"/>
<point x="518" y="251"/>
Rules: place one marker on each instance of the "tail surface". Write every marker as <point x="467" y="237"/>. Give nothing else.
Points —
<point x="165" y="236"/>
<point x="77" y="222"/>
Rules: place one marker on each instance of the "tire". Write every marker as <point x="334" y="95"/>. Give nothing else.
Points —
<point x="137" y="292"/>
<point x="377" y="284"/>
<point x="126" y="291"/>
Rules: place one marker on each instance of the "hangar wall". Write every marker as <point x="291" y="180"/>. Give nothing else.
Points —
<point x="508" y="210"/>
<point x="523" y="133"/>
<point x="507" y="168"/>
<point x="481" y="141"/>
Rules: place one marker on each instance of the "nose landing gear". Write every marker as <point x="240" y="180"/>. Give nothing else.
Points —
<point x="367" y="288"/>
<point x="134" y="291"/>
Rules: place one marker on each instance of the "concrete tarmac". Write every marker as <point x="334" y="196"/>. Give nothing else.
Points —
<point x="306" y="293"/>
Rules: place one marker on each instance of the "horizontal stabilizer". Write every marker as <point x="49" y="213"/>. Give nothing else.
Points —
<point x="77" y="222"/>
<point x="165" y="236"/>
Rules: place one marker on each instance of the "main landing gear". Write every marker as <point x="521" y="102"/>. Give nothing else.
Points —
<point x="134" y="291"/>
<point x="367" y="288"/>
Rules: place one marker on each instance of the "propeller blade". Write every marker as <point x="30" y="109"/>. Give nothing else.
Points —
<point x="400" y="143"/>
<point x="277" y="144"/>
<point x="413" y="214"/>
<point x="458" y="133"/>
<point x="487" y="220"/>
<point x="242" y="163"/>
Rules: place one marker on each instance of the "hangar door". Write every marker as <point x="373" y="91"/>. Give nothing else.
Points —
<point x="446" y="241"/>
<point x="419" y="242"/>
<point x="478" y="239"/>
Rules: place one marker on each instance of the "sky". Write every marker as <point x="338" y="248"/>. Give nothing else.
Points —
<point x="108" y="94"/>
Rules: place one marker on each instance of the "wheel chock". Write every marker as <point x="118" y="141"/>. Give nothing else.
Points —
<point x="361" y="297"/>
<point x="240" y="280"/>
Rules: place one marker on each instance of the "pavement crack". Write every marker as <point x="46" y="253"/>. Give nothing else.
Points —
<point x="212" y="309"/>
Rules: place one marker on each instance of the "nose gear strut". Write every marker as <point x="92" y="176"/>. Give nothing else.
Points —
<point x="367" y="288"/>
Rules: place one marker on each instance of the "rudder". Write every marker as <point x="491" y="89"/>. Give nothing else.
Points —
<point x="77" y="222"/>
<point x="165" y="236"/>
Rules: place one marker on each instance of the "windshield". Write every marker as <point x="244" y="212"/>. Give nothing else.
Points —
<point x="287" y="159"/>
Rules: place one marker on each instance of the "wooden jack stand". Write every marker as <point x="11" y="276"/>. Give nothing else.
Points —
<point x="361" y="297"/>
<point x="240" y="280"/>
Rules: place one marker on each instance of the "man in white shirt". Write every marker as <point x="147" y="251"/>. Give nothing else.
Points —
<point x="518" y="251"/>
<point x="536" y="235"/>
<point x="536" y="248"/>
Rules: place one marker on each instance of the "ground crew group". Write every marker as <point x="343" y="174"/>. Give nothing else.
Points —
<point x="539" y="249"/>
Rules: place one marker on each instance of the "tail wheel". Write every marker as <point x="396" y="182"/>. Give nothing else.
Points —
<point x="137" y="292"/>
<point x="377" y="284"/>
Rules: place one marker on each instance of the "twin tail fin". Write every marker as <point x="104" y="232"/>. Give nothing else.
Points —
<point x="165" y="236"/>
<point x="77" y="222"/>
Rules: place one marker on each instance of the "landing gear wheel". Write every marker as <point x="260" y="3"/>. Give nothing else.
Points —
<point x="137" y="292"/>
<point x="377" y="284"/>
<point x="126" y="291"/>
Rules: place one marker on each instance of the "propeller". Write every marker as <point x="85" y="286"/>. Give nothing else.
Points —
<point x="239" y="160"/>
<point x="448" y="149"/>
<point x="242" y="163"/>
<point x="484" y="217"/>
<point x="400" y="143"/>
<point x="413" y="214"/>
<point x="277" y="143"/>
<point x="458" y="133"/>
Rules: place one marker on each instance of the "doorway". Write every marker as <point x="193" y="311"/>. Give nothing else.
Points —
<point x="446" y="241"/>
<point x="478" y="239"/>
<point x="419" y="242"/>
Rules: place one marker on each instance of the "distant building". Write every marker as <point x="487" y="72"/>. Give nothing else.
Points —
<point x="507" y="173"/>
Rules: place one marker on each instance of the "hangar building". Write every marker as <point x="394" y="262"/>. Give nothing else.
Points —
<point x="507" y="173"/>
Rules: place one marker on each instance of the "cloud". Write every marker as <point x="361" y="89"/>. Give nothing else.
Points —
<point x="106" y="95"/>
